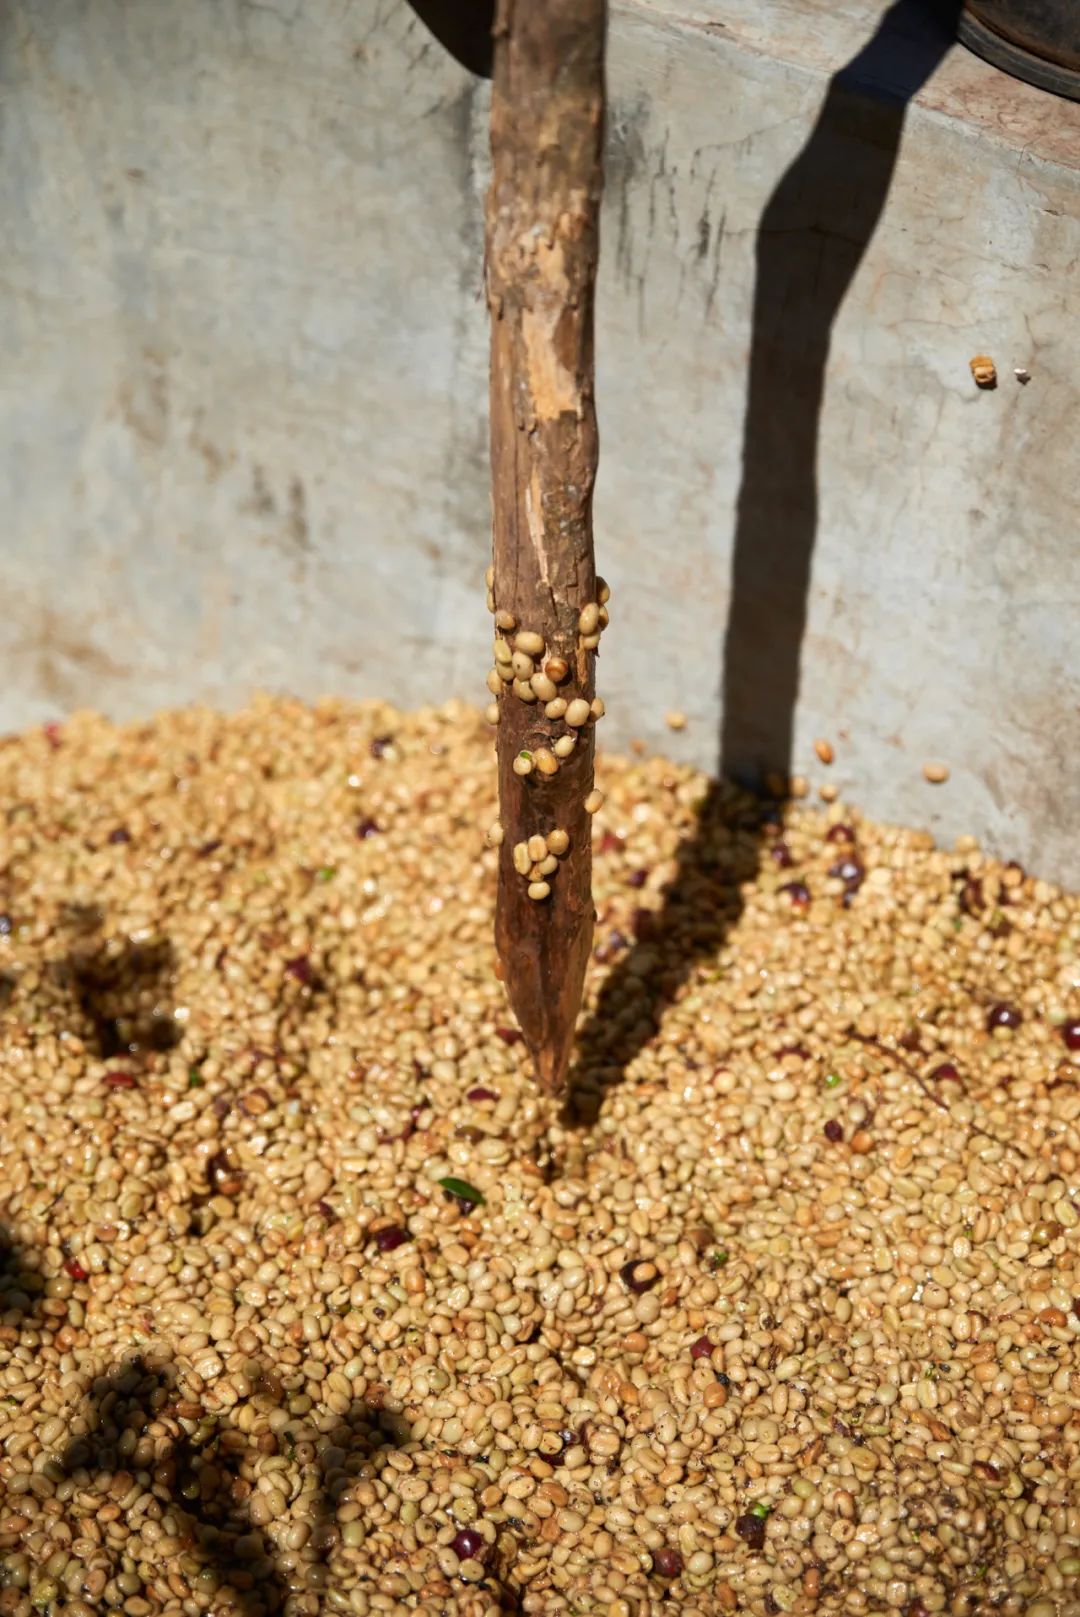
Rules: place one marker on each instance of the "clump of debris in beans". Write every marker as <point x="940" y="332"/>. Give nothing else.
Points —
<point x="310" y="1303"/>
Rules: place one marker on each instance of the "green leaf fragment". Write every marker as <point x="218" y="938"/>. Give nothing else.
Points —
<point x="462" y="1188"/>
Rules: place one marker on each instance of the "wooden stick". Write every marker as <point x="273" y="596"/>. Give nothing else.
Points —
<point x="542" y="235"/>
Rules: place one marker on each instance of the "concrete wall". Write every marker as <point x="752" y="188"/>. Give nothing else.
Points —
<point x="242" y="384"/>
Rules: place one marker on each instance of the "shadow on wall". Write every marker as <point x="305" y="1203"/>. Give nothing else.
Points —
<point x="813" y="233"/>
<point x="463" y="27"/>
<point x="811" y="239"/>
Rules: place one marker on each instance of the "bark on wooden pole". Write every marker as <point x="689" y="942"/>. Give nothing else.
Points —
<point x="542" y="236"/>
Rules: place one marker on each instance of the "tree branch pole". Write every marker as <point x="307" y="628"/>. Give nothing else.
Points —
<point x="542" y="240"/>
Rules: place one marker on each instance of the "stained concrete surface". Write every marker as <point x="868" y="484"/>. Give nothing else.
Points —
<point x="243" y="375"/>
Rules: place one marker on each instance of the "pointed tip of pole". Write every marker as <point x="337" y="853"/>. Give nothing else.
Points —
<point x="548" y="1028"/>
<point x="544" y="978"/>
<point x="551" y="1064"/>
